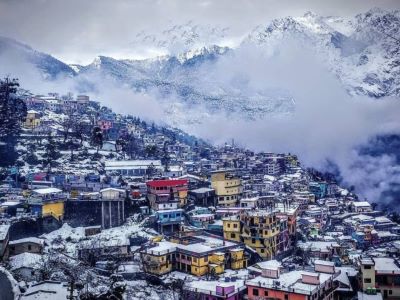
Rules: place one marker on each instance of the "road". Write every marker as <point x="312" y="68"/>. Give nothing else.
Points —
<point x="6" y="292"/>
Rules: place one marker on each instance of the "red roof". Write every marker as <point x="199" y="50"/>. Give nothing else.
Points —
<point x="168" y="183"/>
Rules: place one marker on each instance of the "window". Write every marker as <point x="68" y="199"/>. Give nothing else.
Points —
<point x="390" y="292"/>
<point x="206" y="259"/>
<point x="255" y="292"/>
<point x="229" y="225"/>
<point x="266" y="293"/>
<point x="235" y="225"/>
<point x="286" y="297"/>
<point x="367" y="280"/>
<point x="233" y="235"/>
<point x="29" y="247"/>
<point x="194" y="259"/>
<point x="367" y="267"/>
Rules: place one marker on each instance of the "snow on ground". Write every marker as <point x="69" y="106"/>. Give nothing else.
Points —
<point x="66" y="238"/>
<point x="12" y="281"/>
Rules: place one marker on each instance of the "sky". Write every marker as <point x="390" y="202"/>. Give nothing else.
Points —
<point x="77" y="31"/>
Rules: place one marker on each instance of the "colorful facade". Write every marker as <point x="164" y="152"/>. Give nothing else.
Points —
<point x="257" y="229"/>
<point x="196" y="255"/>
<point x="228" y="188"/>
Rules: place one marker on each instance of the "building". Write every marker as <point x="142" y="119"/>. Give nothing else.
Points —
<point x="202" y="196"/>
<point x="319" y="189"/>
<point x="164" y="193"/>
<point x="228" y="188"/>
<point x="231" y="289"/>
<point x="133" y="167"/>
<point x="273" y="284"/>
<point x="380" y="275"/>
<point x="95" y="250"/>
<point x="105" y="208"/>
<point x="169" y="220"/>
<point x="32" y="119"/>
<point x="47" y="290"/>
<point x="361" y="206"/>
<point x="27" y="266"/>
<point x="47" y="202"/>
<point x="197" y="255"/>
<point x="30" y="245"/>
<point x="257" y="229"/>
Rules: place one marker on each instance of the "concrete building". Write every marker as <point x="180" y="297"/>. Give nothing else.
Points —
<point x="228" y="188"/>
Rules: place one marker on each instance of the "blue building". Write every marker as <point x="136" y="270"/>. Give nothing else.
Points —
<point x="169" y="220"/>
<point x="319" y="189"/>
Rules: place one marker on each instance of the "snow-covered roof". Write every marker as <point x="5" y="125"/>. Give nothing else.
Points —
<point x="364" y="296"/>
<point x="361" y="204"/>
<point x="25" y="260"/>
<point x="46" y="191"/>
<point x="210" y="287"/>
<point x="324" y="262"/>
<point x="207" y="245"/>
<point x="131" y="164"/>
<point x="290" y="281"/>
<point x="46" y="290"/>
<point x="27" y="240"/>
<point x="269" y="264"/>
<point x="9" y="203"/>
<point x="201" y="190"/>
<point x="386" y="265"/>
<point x="112" y="189"/>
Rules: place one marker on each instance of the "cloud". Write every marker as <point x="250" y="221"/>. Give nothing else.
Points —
<point x="327" y="126"/>
<point x="77" y="31"/>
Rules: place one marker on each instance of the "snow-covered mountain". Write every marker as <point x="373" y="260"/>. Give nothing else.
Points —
<point x="362" y="52"/>
<point x="49" y="66"/>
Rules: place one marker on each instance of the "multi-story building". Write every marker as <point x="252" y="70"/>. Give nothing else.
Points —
<point x="228" y="188"/>
<point x="319" y="284"/>
<point x="32" y="119"/>
<point x="165" y="192"/>
<point x="380" y="275"/>
<point x="197" y="255"/>
<point x="257" y="229"/>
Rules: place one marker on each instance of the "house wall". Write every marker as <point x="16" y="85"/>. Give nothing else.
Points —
<point x="25" y="247"/>
<point x="53" y="208"/>
<point x="271" y="294"/>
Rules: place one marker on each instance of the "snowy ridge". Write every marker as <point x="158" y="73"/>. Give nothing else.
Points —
<point x="362" y="52"/>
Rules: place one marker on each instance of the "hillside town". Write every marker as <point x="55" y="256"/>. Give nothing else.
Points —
<point x="100" y="205"/>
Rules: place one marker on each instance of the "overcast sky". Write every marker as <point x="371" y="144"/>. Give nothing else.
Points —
<point x="76" y="31"/>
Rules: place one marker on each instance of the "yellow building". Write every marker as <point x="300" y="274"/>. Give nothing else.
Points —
<point x="232" y="228"/>
<point x="237" y="259"/>
<point x="182" y="195"/>
<point x="228" y="188"/>
<point x="197" y="255"/>
<point x="158" y="263"/>
<point x="32" y="119"/>
<point x="55" y="209"/>
<point x="257" y="229"/>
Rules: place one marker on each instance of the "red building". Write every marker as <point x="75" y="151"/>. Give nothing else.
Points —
<point x="167" y="194"/>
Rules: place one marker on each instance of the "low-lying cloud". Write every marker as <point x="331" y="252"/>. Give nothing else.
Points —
<point x="327" y="126"/>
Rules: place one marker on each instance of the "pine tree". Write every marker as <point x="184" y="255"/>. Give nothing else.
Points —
<point x="97" y="138"/>
<point x="51" y="153"/>
<point x="12" y="114"/>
